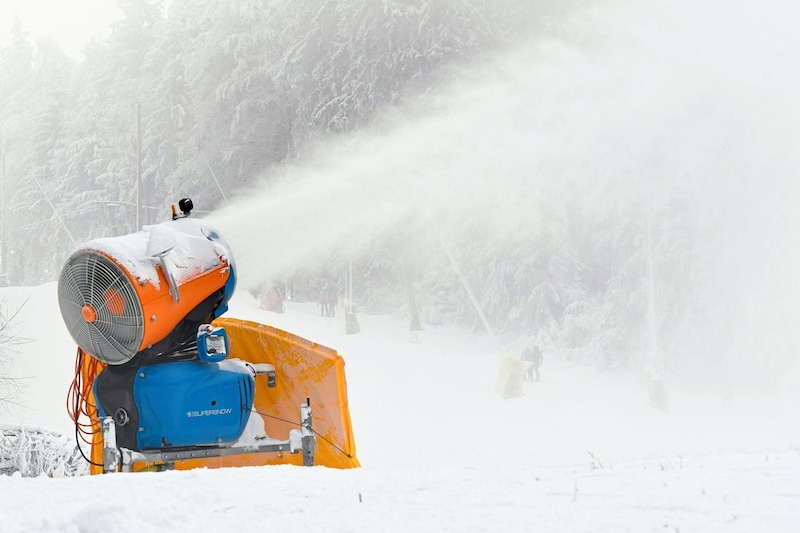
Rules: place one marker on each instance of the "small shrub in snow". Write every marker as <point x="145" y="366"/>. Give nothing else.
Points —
<point x="33" y="451"/>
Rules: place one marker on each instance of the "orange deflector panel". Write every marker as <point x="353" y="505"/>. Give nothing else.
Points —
<point x="304" y="369"/>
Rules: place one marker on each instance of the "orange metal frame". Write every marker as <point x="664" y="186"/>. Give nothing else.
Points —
<point x="304" y="370"/>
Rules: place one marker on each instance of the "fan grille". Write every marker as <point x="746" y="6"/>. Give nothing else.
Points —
<point x="100" y="307"/>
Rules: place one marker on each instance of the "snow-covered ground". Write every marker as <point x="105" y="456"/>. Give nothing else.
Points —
<point x="440" y="449"/>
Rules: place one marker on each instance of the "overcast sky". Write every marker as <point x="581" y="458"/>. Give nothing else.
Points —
<point x="71" y="23"/>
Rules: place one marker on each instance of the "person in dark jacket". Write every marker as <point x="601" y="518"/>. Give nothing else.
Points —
<point x="333" y="301"/>
<point x="324" y="300"/>
<point x="532" y="354"/>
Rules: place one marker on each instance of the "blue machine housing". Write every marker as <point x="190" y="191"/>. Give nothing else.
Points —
<point x="191" y="403"/>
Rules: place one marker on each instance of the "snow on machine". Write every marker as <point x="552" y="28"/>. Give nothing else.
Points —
<point x="154" y="385"/>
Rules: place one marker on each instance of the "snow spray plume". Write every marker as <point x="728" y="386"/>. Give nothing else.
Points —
<point x="673" y="101"/>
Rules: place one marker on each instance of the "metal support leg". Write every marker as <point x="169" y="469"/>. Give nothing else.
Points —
<point x="110" y="451"/>
<point x="309" y="442"/>
<point x="115" y="459"/>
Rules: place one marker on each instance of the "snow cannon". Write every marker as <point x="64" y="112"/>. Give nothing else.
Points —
<point x="142" y="304"/>
<point x="144" y="294"/>
<point x="152" y="372"/>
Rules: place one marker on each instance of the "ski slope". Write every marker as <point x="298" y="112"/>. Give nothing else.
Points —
<point x="581" y="450"/>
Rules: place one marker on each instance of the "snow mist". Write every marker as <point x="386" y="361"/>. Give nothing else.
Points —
<point x="686" y="100"/>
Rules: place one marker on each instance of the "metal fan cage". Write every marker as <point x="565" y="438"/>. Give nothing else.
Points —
<point x="100" y="307"/>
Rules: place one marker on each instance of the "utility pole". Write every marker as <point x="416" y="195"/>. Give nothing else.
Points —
<point x="3" y="219"/>
<point x="659" y="397"/>
<point x="351" y="326"/>
<point x="138" y="166"/>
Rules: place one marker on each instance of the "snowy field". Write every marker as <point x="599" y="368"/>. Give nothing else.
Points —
<point x="440" y="449"/>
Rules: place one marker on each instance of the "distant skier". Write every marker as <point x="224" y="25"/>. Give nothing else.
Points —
<point x="532" y="354"/>
<point x="271" y="300"/>
<point x="333" y="301"/>
<point x="537" y="360"/>
<point x="415" y="327"/>
<point x="324" y="300"/>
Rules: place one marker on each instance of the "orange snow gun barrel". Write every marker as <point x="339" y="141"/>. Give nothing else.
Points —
<point x="146" y="292"/>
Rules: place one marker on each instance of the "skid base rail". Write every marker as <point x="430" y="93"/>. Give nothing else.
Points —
<point x="122" y="459"/>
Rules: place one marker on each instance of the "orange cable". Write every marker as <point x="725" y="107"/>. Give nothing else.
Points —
<point x="79" y="396"/>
